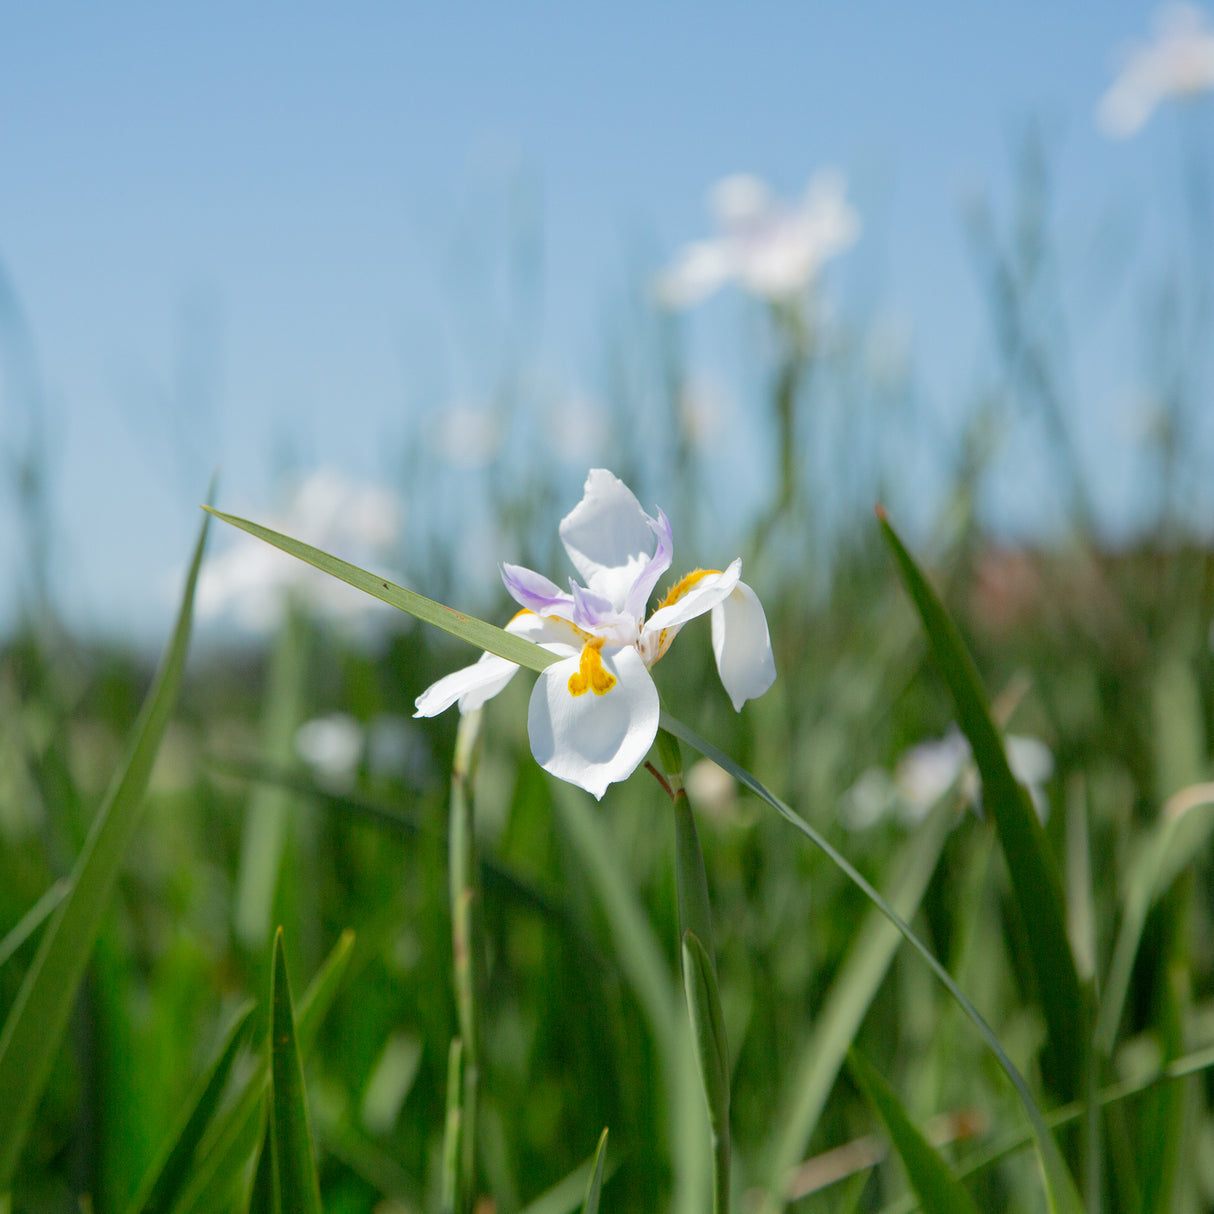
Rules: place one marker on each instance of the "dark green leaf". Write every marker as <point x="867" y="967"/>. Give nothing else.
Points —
<point x="298" y="1185"/>
<point x="939" y="1191"/>
<point x="164" y="1179"/>
<point x="467" y="628"/>
<point x="1036" y="881"/>
<point x="36" y="1022"/>
<point x="591" y="1205"/>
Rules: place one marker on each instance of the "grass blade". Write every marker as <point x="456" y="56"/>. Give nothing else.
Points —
<point x="591" y="1204"/>
<point x="1060" y="1186"/>
<point x="261" y="1200"/>
<point x="237" y="1131"/>
<point x="298" y="1185"/>
<point x="570" y="1193"/>
<point x="466" y="627"/>
<point x="712" y="1057"/>
<point x="931" y="1178"/>
<point x="848" y="1000"/>
<point x="1177" y="840"/>
<point x="1036" y="881"/>
<point x="164" y="1179"/>
<point x="36" y="1022"/>
<point x="644" y="968"/>
<point x="33" y="919"/>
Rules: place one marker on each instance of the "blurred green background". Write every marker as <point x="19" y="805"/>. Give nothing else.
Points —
<point x="1050" y="466"/>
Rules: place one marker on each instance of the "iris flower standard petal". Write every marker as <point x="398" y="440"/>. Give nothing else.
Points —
<point x="594" y="713"/>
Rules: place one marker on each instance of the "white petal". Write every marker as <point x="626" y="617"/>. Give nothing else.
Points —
<point x="709" y="590"/>
<point x="742" y="646"/>
<point x="594" y="740"/>
<point x="701" y="269"/>
<point x="609" y="538"/>
<point x="472" y="686"/>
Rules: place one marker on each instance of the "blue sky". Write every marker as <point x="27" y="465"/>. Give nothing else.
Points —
<point x="289" y="215"/>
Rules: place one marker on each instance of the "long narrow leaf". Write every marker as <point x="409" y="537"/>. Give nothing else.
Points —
<point x="1035" y="878"/>
<point x="164" y="1179"/>
<point x="931" y="1178"/>
<point x="595" y="1188"/>
<point x="1176" y="841"/>
<point x="33" y="919"/>
<point x="570" y="1193"/>
<point x="237" y="1129"/>
<point x="467" y="628"/>
<point x="814" y="1071"/>
<point x="1061" y="1187"/>
<point x="1009" y="1144"/>
<point x="36" y="1022"/>
<point x="298" y="1185"/>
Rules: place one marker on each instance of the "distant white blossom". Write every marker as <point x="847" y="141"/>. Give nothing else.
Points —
<point x="332" y="747"/>
<point x="1178" y="63"/>
<point x="770" y="248"/>
<point x="467" y="437"/>
<point x="928" y="771"/>
<point x="253" y="582"/>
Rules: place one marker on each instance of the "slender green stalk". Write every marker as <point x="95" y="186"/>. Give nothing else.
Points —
<point x="268" y="812"/>
<point x="453" y="1131"/>
<point x="699" y="971"/>
<point x="462" y="872"/>
<point x="1061" y="1190"/>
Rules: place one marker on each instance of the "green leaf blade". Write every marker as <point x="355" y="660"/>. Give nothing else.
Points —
<point x="36" y="1022"/>
<point x="468" y="628"/>
<point x="239" y="1129"/>
<point x="164" y="1179"/>
<point x="932" y="1179"/>
<point x="1036" y="881"/>
<point x="595" y="1187"/>
<point x="294" y="1156"/>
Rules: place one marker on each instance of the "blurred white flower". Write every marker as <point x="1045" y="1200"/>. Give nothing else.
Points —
<point x="703" y="410"/>
<point x="927" y="771"/>
<point x="577" y="429"/>
<point x="331" y="746"/>
<point x="467" y="437"/>
<point x="1178" y="63"/>
<point x="253" y="581"/>
<point x="712" y="790"/>
<point x="768" y="247"/>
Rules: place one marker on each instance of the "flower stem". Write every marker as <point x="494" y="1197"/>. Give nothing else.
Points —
<point x="699" y="969"/>
<point x="462" y="872"/>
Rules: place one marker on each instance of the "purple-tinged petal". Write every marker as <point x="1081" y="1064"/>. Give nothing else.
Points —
<point x="535" y="592"/>
<point x="597" y="615"/>
<point x="642" y="588"/>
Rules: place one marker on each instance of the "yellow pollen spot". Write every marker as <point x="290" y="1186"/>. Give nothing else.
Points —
<point x="590" y="675"/>
<point x="683" y="585"/>
<point x="676" y="592"/>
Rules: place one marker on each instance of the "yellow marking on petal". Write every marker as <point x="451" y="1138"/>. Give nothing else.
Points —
<point x="590" y="675"/>
<point x="676" y="592"/>
<point x="683" y="585"/>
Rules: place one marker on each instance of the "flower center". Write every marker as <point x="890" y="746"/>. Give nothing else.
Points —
<point x="590" y="675"/>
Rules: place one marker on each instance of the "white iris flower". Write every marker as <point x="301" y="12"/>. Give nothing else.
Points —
<point x="594" y="713"/>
